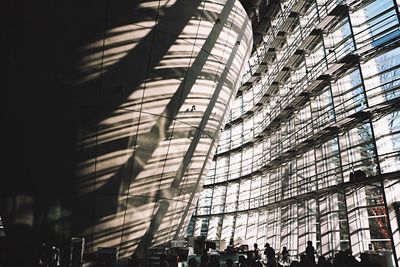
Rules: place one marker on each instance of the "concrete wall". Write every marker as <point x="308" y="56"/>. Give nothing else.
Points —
<point x="112" y="112"/>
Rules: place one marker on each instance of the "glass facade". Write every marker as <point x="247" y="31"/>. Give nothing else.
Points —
<point x="311" y="149"/>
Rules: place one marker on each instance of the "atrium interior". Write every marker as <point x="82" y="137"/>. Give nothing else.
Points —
<point x="138" y="127"/>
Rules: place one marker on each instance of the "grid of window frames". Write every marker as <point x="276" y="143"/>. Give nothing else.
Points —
<point x="324" y="107"/>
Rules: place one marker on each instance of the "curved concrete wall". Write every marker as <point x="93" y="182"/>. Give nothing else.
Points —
<point x="113" y="113"/>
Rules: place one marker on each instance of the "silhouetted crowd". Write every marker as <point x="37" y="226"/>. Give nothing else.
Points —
<point x="307" y="259"/>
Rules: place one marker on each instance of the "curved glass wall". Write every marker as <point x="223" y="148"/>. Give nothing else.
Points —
<point x="311" y="148"/>
<point x="115" y="121"/>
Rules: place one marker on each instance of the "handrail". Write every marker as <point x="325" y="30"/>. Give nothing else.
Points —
<point x="284" y="102"/>
<point x="278" y="197"/>
<point x="267" y="158"/>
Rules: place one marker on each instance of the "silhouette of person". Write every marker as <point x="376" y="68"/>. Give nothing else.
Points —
<point x="310" y="252"/>
<point x="54" y="256"/>
<point x="269" y="251"/>
<point x="270" y="254"/>
<point x="256" y="252"/>
<point x="45" y="255"/>
<point x="284" y="256"/>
